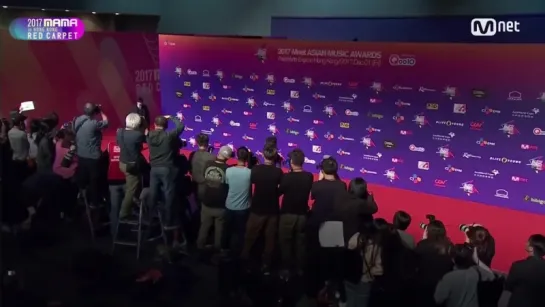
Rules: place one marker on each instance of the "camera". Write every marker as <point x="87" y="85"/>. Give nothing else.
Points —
<point x="465" y="227"/>
<point x="430" y="218"/>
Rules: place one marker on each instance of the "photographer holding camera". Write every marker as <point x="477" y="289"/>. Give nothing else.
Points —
<point x="88" y="132"/>
<point x="197" y="161"/>
<point x="481" y="242"/>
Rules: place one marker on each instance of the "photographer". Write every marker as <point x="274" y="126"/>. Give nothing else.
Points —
<point x="88" y="132"/>
<point x="481" y="243"/>
<point x="44" y="146"/>
<point x="526" y="280"/>
<point x="131" y="161"/>
<point x="197" y="160"/>
<point x="142" y="111"/>
<point x="20" y="147"/>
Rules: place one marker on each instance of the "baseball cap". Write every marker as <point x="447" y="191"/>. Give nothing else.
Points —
<point x="225" y="152"/>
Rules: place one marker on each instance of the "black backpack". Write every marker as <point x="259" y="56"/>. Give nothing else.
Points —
<point x="489" y="291"/>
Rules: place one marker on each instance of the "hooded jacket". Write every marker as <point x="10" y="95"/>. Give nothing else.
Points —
<point x="163" y="145"/>
<point x="354" y="212"/>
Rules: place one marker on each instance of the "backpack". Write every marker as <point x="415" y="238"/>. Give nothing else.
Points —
<point x="214" y="176"/>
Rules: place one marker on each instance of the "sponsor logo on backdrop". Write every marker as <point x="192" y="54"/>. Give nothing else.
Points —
<point x="391" y="174"/>
<point x="423" y="89"/>
<point x="186" y="106"/>
<point x="538" y="131"/>
<point x="421" y="120"/>
<point x="195" y="96"/>
<point x="270" y="92"/>
<point x="353" y="84"/>
<point x="476" y="125"/>
<point x="367" y="142"/>
<point x="307" y="109"/>
<point x="178" y="71"/>
<point x="400" y="103"/>
<point x="287" y="106"/>
<point x="187" y="128"/>
<point x="230" y="99"/>
<point x="273" y="129"/>
<point x="389" y="144"/>
<point x="292" y="145"/>
<point x="247" y="113"/>
<point x="180" y="116"/>
<point x="234" y="124"/>
<point x="316" y="149"/>
<point x="205" y="86"/>
<point x="367" y="172"/>
<point x="251" y="102"/>
<point x="349" y="112"/>
<point x="253" y="126"/>
<point x="247" y="89"/>
<point x="397" y="160"/>
<point x="535" y="200"/>
<point x="486" y="175"/>
<point x="318" y="96"/>
<point x="415" y="179"/>
<point x="309" y="161"/>
<point x="292" y="132"/>
<point x="192" y="72"/>
<point x="220" y="75"/>
<point x="212" y="97"/>
<point x="216" y="121"/>
<point x="350" y="98"/>
<point x="377" y="87"/>
<point x="398" y="118"/>
<point x="440" y="183"/>
<point x="451" y="169"/>
<point x="541" y="97"/>
<point x="331" y="84"/>
<point x="502" y="193"/>
<point x="402" y="88"/>
<point x="226" y="87"/>
<point x="375" y="115"/>
<point x="372" y="130"/>
<point x="514" y="96"/>
<point x="311" y="134"/>
<point x="459" y="108"/>
<point x="254" y="77"/>
<point x="519" y="179"/>
<point x="294" y="94"/>
<point x="424" y="165"/>
<point x="341" y="152"/>
<point x="488" y="111"/>
<point x="478" y="93"/>
<point x="432" y="106"/>
<point x="179" y="94"/>
<point x="270" y="79"/>
<point x="449" y="123"/>
<point x="415" y="148"/>
<point x="505" y="160"/>
<point x="208" y="132"/>
<point x="445" y="138"/>
<point x="469" y="188"/>
<point x="484" y="143"/>
<point x="468" y="155"/>
<point x="288" y="80"/>
<point x="206" y="108"/>
<point x="444" y="152"/>
<point x="375" y="100"/>
<point x="261" y="54"/>
<point x="528" y="147"/>
<point x="491" y="26"/>
<point x="192" y="142"/>
<point x="268" y="104"/>
<point x="526" y="114"/>
<point x="206" y="73"/>
<point x="347" y="168"/>
<point x="402" y="60"/>
<point x="247" y="138"/>
<point x="308" y="82"/>
<point x="343" y="138"/>
<point x="292" y="120"/>
<point x="405" y="132"/>
<point x="329" y="111"/>
<point x="450" y="91"/>
<point x="509" y="128"/>
<point x="536" y="164"/>
<point x="344" y="125"/>
<point x="329" y="136"/>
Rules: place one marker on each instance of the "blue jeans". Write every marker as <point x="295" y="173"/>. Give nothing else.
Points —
<point x="234" y="228"/>
<point x="357" y="295"/>
<point x="163" y="179"/>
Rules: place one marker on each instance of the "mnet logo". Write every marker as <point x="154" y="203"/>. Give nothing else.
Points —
<point x="490" y="27"/>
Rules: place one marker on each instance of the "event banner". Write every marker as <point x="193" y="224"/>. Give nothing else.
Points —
<point x="461" y="121"/>
<point x="110" y="69"/>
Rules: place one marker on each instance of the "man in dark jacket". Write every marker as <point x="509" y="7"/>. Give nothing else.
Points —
<point x="142" y="110"/>
<point x="163" y="148"/>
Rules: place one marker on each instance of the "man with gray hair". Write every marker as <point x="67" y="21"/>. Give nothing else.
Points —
<point x="131" y="161"/>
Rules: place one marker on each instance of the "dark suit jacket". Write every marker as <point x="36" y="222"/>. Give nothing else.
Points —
<point x="144" y="112"/>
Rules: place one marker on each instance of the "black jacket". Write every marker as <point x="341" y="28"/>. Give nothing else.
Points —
<point x="164" y="145"/>
<point x="143" y="112"/>
<point x="354" y="212"/>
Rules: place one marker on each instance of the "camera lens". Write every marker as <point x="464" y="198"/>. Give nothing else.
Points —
<point x="423" y="225"/>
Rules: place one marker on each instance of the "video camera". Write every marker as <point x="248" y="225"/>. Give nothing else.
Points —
<point x="430" y="218"/>
<point x="93" y="109"/>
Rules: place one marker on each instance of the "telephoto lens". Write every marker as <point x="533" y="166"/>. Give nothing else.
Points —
<point x="465" y="227"/>
<point x="423" y="226"/>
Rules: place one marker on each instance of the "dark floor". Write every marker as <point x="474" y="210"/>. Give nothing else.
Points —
<point x="55" y="273"/>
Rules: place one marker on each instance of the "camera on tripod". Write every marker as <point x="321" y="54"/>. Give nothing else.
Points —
<point x="430" y="218"/>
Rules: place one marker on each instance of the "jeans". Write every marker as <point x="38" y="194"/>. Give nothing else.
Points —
<point x="234" y="228"/>
<point x="291" y="234"/>
<point x="257" y="223"/>
<point x="132" y="184"/>
<point x="163" y="179"/>
<point x="357" y="295"/>
<point x="88" y="177"/>
<point x="210" y="217"/>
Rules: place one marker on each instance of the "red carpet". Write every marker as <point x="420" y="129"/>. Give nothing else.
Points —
<point x="510" y="228"/>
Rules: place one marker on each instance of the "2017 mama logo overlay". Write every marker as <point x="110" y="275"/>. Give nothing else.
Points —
<point x="47" y="29"/>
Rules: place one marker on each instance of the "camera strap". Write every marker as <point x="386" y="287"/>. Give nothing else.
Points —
<point x="76" y="128"/>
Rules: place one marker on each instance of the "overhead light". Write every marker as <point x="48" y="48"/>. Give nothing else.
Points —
<point x="67" y="10"/>
<point x="116" y="14"/>
<point x="93" y="13"/>
<point x="5" y="7"/>
<point x="43" y="9"/>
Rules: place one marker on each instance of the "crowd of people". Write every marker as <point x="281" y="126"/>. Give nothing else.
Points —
<point x="334" y="246"/>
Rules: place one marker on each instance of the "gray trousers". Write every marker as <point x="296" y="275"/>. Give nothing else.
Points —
<point x="210" y="217"/>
